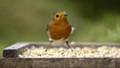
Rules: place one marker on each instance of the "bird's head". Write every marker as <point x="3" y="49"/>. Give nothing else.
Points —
<point x="62" y="15"/>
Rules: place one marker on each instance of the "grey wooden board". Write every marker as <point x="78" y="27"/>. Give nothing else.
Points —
<point x="59" y="63"/>
<point x="14" y="50"/>
<point x="11" y="59"/>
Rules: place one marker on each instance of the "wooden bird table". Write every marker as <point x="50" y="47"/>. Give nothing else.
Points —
<point x="11" y="57"/>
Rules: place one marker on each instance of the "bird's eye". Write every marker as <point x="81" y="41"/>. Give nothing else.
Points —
<point x="57" y="16"/>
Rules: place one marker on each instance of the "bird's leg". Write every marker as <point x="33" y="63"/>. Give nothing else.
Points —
<point x="50" y="43"/>
<point x="67" y="42"/>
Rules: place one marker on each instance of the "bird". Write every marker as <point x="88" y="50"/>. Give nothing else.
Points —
<point x="59" y="29"/>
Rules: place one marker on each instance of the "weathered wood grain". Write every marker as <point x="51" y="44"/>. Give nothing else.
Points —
<point x="59" y="63"/>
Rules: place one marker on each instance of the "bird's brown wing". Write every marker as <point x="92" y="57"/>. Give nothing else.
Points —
<point x="48" y="26"/>
<point x="67" y="31"/>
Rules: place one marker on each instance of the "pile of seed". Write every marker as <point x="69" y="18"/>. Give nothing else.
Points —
<point x="84" y="52"/>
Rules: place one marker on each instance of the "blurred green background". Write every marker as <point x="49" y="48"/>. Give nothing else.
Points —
<point x="25" y="20"/>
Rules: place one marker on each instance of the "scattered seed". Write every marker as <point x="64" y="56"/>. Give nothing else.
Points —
<point x="103" y="51"/>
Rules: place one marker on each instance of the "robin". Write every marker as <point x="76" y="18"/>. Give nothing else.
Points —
<point x="59" y="29"/>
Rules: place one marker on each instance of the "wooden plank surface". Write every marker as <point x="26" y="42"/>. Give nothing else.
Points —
<point x="58" y="63"/>
<point x="11" y="59"/>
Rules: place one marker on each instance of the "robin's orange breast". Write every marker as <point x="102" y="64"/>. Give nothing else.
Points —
<point x="58" y="31"/>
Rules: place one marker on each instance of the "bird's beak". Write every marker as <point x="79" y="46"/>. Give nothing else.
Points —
<point x="65" y="15"/>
